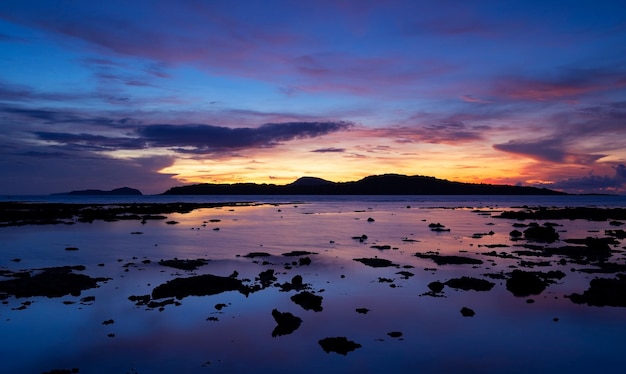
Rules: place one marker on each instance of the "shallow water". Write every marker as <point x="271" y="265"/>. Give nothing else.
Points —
<point x="507" y="334"/>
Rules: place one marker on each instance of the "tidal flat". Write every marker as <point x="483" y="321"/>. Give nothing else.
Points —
<point x="314" y="285"/>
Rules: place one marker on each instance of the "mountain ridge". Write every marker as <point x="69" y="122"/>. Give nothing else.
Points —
<point x="383" y="184"/>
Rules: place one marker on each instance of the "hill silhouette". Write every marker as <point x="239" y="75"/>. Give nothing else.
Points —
<point x="387" y="184"/>
<point x="123" y="191"/>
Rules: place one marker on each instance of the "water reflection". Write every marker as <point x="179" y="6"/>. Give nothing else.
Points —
<point x="507" y="333"/>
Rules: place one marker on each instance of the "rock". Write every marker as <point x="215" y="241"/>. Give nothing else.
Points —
<point x="184" y="264"/>
<point x="266" y="277"/>
<point x="603" y="292"/>
<point x="449" y="260"/>
<point x="381" y="247"/>
<point x="362" y="310"/>
<point x="298" y="253"/>
<point x="340" y="345"/>
<point x="468" y="283"/>
<point x="296" y="284"/>
<point x="308" y="301"/>
<point x="436" y="286"/>
<point x="287" y="323"/>
<point x="370" y="219"/>
<point x="395" y="334"/>
<point x="304" y="261"/>
<point x="522" y="284"/>
<point x="49" y="282"/>
<point x="515" y="234"/>
<point x="257" y="254"/>
<point x="545" y="234"/>
<point x="200" y="285"/>
<point x="376" y="262"/>
<point x="467" y="312"/>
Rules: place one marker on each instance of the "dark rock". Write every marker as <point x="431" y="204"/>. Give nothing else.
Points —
<point x="220" y="306"/>
<point x="449" y="260"/>
<point x="467" y="312"/>
<point x="296" y="284"/>
<point x="339" y="345"/>
<point x="257" y="254"/>
<point x="200" y="285"/>
<point x="544" y="234"/>
<point x="395" y="334"/>
<point x="71" y="248"/>
<point x="184" y="264"/>
<point x="49" y="282"/>
<point x="172" y="222"/>
<point x="361" y="238"/>
<point x="140" y="300"/>
<point x="376" y="262"/>
<point x="362" y="310"/>
<point x="381" y="247"/>
<point x="522" y="284"/>
<point x="405" y="274"/>
<point x="515" y="234"/>
<point x="603" y="292"/>
<point x="436" y="286"/>
<point x="287" y="323"/>
<point x="468" y="283"/>
<point x="370" y="219"/>
<point x="308" y="301"/>
<point x="299" y="253"/>
<point x="304" y="261"/>
<point x="266" y="277"/>
<point x="108" y="322"/>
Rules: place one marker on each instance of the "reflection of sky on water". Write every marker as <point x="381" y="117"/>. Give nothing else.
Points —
<point x="506" y="335"/>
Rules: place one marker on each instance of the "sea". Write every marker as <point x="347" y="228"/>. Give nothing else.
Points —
<point x="388" y="317"/>
<point x="416" y="200"/>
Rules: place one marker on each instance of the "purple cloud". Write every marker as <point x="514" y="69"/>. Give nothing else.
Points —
<point x="595" y="183"/>
<point x="329" y="150"/>
<point x="197" y="138"/>
<point x="207" y="138"/>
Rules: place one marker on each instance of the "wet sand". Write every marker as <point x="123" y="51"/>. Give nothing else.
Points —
<point x="311" y="287"/>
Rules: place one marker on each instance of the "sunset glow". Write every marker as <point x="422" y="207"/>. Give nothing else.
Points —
<point x="153" y="95"/>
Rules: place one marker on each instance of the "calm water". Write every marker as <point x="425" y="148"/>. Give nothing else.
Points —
<point x="507" y="334"/>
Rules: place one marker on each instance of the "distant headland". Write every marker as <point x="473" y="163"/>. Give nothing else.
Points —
<point x="123" y="191"/>
<point x="386" y="184"/>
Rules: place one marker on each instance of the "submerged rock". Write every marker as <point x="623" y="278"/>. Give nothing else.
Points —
<point x="287" y="323"/>
<point x="339" y="345"/>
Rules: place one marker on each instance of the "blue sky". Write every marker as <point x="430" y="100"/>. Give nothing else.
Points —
<point x="153" y="94"/>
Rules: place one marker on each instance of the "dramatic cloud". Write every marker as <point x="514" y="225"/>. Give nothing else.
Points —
<point x="197" y="138"/>
<point x="329" y="150"/>
<point x="595" y="183"/>
<point x="207" y="138"/>
<point x="549" y="149"/>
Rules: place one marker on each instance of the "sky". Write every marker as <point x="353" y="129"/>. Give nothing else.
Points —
<point x="156" y="94"/>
